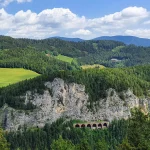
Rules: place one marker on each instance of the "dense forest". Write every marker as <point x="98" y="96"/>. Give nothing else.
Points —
<point x="107" y="53"/>
<point x="96" y="82"/>
<point x="131" y="134"/>
<point x="31" y="59"/>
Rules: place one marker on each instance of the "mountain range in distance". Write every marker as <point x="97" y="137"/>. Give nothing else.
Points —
<point x="125" y="39"/>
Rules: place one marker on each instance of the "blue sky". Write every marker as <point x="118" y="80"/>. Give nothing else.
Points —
<point x="77" y="18"/>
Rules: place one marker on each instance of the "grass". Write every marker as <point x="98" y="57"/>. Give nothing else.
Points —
<point x="95" y="45"/>
<point x="117" y="49"/>
<point x="64" y="58"/>
<point x="11" y="76"/>
<point x="92" y="66"/>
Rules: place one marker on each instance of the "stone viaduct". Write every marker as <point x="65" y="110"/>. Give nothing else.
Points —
<point x="92" y="125"/>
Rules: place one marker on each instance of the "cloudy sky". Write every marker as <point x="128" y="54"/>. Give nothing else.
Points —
<point x="85" y="19"/>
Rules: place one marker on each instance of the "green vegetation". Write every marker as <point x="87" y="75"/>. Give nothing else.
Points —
<point x="64" y="58"/>
<point x="3" y="142"/>
<point x="35" y="55"/>
<point x="96" y="82"/>
<point x="117" y="49"/>
<point x="131" y="134"/>
<point x="62" y="144"/>
<point x="95" y="45"/>
<point x="31" y="59"/>
<point x="92" y="66"/>
<point x="10" y="76"/>
<point x="86" y="52"/>
<point x="61" y="135"/>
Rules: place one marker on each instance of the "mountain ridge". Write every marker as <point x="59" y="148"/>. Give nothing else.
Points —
<point x="125" y="39"/>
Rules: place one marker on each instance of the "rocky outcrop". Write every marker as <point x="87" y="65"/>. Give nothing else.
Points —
<point x="70" y="100"/>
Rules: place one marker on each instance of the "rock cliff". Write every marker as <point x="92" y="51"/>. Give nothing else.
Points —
<point x="70" y="100"/>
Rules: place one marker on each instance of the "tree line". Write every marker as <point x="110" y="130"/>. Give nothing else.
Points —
<point x="96" y="81"/>
<point x="131" y="134"/>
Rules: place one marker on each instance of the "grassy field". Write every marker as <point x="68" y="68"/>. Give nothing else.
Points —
<point x="117" y="49"/>
<point x="64" y="58"/>
<point x="10" y="76"/>
<point x="92" y="66"/>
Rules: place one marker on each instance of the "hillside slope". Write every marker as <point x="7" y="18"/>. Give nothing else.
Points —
<point x="104" y="52"/>
<point x="31" y="59"/>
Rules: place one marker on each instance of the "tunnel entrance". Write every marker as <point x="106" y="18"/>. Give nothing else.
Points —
<point x="105" y="124"/>
<point x="83" y="126"/>
<point x="94" y="126"/>
<point x="99" y="126"/>
<point x="77" y="126"/>
<point x="89" y="126"/>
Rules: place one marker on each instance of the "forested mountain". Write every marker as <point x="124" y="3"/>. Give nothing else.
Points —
<point x="67" y="39"/>
<point x="127" y="40"/>
<point x="29" y="58"/>
<point x="107" y="53"/>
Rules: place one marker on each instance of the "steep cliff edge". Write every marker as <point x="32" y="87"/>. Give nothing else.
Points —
<point x="70" y="100"/>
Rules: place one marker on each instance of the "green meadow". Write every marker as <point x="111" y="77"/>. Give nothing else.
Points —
<point x="92" y="66"/>
<point x="10" y="76"/>
<point x="117" y="49"/>
<point x="64" y="58"/>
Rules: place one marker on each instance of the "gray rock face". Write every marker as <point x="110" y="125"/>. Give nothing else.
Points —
<point x="70" y="100"/>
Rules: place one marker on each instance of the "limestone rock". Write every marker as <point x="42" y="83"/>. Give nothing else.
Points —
<point x="70" y="100"/>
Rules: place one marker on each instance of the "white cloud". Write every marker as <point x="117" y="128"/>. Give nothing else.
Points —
<point x="22" y="1"/>
<point x="7" y="2"/>
<point x="82" y="32"/>
<point x="144" y="33"/>
<point x="147" y="22"/>
<point x="60" y="17"/>
<point x="127" y="17"/>
<point x="44" y="24"/>
<point x="6" y="20"/>
<point x="61" y="21"/>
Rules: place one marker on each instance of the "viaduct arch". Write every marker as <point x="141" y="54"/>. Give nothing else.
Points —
<point x="92" y="125"/>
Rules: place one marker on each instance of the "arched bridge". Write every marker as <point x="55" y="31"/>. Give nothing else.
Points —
<point x="92" y="125"/>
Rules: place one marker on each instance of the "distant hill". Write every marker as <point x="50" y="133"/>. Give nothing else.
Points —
<point x="67" y="39"/>
<point x="127" y="40"/>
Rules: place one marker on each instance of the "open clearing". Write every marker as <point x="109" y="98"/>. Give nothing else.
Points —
<point x="92" y="66"/>
<point x="64" y="58"/>
<point x="10" y="75"/>
<point x="117" y="49"/>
